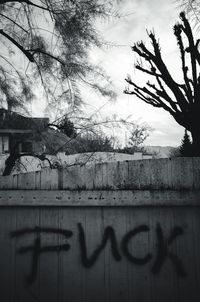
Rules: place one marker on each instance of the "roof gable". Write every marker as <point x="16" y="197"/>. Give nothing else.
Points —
<point x="12" y="120"/>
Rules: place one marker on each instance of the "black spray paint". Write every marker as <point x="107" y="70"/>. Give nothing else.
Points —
<point x="162" y="248"/>
<point x="37" y="249"/>
<point x="163" y="251"/>
<point x="125" y="246"/>
<point x="109" y="234"/>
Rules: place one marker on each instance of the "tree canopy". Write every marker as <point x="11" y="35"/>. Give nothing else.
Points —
<point x="181" y="100"/>
<point x="139" y="133"/>
<point x="48" y="42"/>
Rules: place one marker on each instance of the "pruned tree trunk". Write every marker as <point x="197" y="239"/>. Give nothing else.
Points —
<point x="181" y="100"/>
<point x="196" y="141"/>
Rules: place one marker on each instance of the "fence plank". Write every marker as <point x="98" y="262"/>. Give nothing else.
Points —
<point x="185" y="245"/>
<point x="7" y="255"/>
<point x="48" y="271"/>
<point x="26" y="180"/>
<point x="161" y="228"/>
<point x="139" y="276"/>
<point x="94" y="276"/>
<point x="116" y="272"/>
<point x="196" y="172"/>
<point x="154" y="174"/>
<point x="49" y="179"/>
<point x="72" y="273"/>
<point x="182" y="173"/>
<point x="151" y="207"/>
<point x="26" y="289"/>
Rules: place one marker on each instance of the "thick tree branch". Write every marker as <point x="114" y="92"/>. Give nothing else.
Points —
<point x="197" y="51"/>
<point x="13" y="157"/>
<point x="169" y="81"/>
<point x="154" y="99"/>
<point x="143" y="97"/>
<point x="186" y="87"/>
<point x="136" y="49"/>
<point x="191" y="49"/>
<point x="25" y="2"/>
<point x="6" y="17"/>
<point x="38" y="50"/>
<point x="142" y="51"/>
<point x="147" y="71"/>
<point x="162" y="93"/>
<point x="26" y="53"/>
<point x="155" y="44"/>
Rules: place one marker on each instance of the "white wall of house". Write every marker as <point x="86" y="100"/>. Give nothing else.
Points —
<point x="89" y="157"/>
<point x="147" y="156"/>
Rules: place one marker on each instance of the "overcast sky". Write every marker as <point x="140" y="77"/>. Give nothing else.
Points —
<point x="159" y="15"/>
<point x="118" y="61"/>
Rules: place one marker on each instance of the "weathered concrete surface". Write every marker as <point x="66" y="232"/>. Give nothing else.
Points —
<point x="111" y="232"/>
<point x="177" y="173"/>
<point x="47" y="254"/>
<point x="96" y="198"/>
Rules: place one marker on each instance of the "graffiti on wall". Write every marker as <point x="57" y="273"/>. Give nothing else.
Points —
<point x="163" y="249"/>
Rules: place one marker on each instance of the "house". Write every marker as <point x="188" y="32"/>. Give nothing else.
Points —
<point x="18" y="131"/>
<point x="29" y="136"/>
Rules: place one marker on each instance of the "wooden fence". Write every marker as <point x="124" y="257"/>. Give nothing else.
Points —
<point x="107" y="232"/>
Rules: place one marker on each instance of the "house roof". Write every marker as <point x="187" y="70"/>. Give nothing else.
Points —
<point x="14" y="121"/>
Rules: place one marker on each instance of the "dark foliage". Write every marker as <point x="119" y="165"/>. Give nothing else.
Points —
<point x="186" y="146"/>
<point x="67" y="127"/>
<point x="95" y="143"/>
<point x="109" y="234"/>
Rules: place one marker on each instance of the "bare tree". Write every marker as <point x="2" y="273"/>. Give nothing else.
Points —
<point x="181" y="100"/>
<point x="49" y="41"/>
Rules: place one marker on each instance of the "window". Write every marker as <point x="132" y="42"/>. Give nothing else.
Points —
<point x="4" y="144"/>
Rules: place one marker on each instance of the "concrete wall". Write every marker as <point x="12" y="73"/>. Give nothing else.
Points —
<point x="109" y="232"/>
<point x="177" y="173"/>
